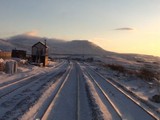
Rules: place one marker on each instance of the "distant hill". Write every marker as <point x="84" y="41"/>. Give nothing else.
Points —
<point x="57" y="46"/>
<point x="6" y="45"/>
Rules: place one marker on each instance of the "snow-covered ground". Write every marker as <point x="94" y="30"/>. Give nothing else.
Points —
<point x="138" y="87"/>
<point x="104" y="109"/>
<point x="132" y="62"/>
<point x="69" y="90"/>
<point x="18" y="92"/>
<point x="25" y="71"/>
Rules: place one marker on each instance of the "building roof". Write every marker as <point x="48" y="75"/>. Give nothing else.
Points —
<point x="18" y="50"/>
<point x="40" y="43"/>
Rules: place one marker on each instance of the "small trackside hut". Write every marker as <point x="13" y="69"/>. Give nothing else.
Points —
<point x="40" y="53"/>
<point x="19" y="54"/>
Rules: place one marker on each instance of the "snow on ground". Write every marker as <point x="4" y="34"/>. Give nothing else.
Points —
<point x="132" y="62"/>
<point x="1" y="60"/>
<point x="141" y="88"/>
<point x="134" y="84"/>
<point x="100" y="110"/>
<point x="64" y="106"/>
<point x="119" y="61"/>
<point x="25" y="71"/>
<point x="39" y="107"/>
<point x="15" y="104"/>
<point x="121" y="101"/>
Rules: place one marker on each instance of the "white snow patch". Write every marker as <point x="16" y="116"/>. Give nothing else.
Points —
<point x="102" y="107"/>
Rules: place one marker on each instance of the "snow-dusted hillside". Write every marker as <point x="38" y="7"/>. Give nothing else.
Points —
<point x="57" y="46"/>
<point x="82" y="47"/>
<point x="6" y="45"/>
<point x="25" y="42"/>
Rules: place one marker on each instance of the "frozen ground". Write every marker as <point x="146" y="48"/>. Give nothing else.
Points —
<point x="18" y="92"/>
<point x="70" y="91"/>
<point x="135" y="85"/>
<point x="25" y="71"/>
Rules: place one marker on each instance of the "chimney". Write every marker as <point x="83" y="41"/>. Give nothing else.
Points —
<point x="45" y="42"/>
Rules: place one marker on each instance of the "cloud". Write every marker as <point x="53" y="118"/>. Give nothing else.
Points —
<point x="6" y="34"/>
<point x="31" y="33"/>
<point x="124" y="28"/>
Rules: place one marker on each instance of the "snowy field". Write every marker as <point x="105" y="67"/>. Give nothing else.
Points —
<point x="135" y="86"/>
<point x="142" y="88"/>
<point x="75" y="91"/>
<point x="25" y="71"/>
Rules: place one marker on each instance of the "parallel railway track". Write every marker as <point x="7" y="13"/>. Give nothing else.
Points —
<point x="121" y="113"/>
<point x="43" y="115"/>
<point x="32" y="76"/>
<point x="50" y="106"/>
<point x="106" y="96"/>
<point x="73" y="82"/>
<point x="37" y="87"/>
<point x="21" y="83"/>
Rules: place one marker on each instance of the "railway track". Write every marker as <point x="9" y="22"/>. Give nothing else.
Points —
<point x="51" y="104"/>
<point x="78" y="98"/>
<point x="120" y="117"/>
<point x="9" y="88"/>
<point x="83" y="108"/>
<point x="78" y="71"/>
<point x="67" y="94"/>
<point x="125" y="91"/>
<point x="32" y="76"/>
<point x="46" y="110"/>
<point x="42" y="85"/>
<point x="102" y="84"/>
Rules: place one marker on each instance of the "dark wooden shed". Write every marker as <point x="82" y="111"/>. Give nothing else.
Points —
<point x="19" y="54"/>
<point x="40" y="53"/>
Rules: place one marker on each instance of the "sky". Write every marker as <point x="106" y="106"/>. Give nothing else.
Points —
<point x="124" y="26"/>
